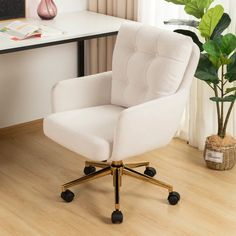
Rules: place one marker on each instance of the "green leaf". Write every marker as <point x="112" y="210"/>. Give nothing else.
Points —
<point x="215" y="61"/>
<point x="179" y="2"/>
<point x="225" y="60"/>
<point x="207" y="77"/>
<point x="192" y="23"/>
<point x="210" y="20"/>
<point x="212" y="48"/>
<point x="230" y="98"/>
<point x="206" y="71"/>
<point x="220" y="48"/>
<point x="230" y="90"/>
<point x="231" y="69"/>
<point x="208" y="3"/>
<point x="228" y="44"/>
<point x="216" y="99"/>
<point x="192" y="35"/>
<point x="221" y="26"/>
<point x="197" y="8"/>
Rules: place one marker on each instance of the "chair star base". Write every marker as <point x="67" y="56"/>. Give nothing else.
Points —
<point x="117" y="169"/>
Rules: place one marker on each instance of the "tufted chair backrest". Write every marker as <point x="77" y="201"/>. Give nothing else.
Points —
<point x="148" y="63"/>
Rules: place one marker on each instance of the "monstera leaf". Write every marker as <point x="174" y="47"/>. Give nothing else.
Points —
<point x="221" y="26"/>
<point x="197" y="8"/>
<point x="210" y="20"/>
<point x="206" y="71"/>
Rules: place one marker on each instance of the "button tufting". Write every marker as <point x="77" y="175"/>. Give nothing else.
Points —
<point x="145" y="66"/>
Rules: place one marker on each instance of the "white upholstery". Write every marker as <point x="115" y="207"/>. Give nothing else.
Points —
<point x="88" y="131"/>
<point x="148" y="63"/>
<point x="148" y="89"/>
<point x="152" y="124"/>
<point x="76" y="93"/>
<point x="135" y="132"/>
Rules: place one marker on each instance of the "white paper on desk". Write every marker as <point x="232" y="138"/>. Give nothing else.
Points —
<point x="49" y="31"/>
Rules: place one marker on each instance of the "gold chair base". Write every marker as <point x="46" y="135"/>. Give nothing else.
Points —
<point x="117" y="169"/>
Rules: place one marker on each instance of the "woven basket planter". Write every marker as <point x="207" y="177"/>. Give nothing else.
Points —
<point x="220" y="154"/>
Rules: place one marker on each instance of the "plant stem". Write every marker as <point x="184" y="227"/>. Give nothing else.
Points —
<point x="211" y="87"/>
<point x="217" y="108"/>
<point x="227" y="116"/>
<point x="222" y="134"/>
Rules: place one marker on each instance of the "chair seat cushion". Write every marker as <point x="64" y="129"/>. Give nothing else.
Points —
<point x="88" y="131"/>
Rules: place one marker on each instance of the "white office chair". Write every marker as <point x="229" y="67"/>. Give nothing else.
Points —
<point x="136" y="108"/>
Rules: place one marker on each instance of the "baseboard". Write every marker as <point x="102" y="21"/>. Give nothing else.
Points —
<point x="21" y="128"/>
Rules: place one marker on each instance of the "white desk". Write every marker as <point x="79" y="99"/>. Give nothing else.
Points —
<point x="77" y="27"/>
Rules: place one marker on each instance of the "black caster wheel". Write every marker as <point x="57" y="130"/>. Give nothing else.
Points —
<point x="150" y="171"/>
<point x="89" y="170"/>
<point x="173" y="198"/>
<point x="67" y="196"/>
<point x="117" y="217"/>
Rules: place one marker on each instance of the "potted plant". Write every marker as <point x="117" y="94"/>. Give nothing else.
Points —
<point x="217" y="68"/>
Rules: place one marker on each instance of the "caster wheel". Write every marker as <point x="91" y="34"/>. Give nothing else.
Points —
<point x="116" y="217"/>
<point x="173" y="198"/>
<point x="67" y="196"/>
<point x="89" y="170"/>
<point x="150" y="171"/>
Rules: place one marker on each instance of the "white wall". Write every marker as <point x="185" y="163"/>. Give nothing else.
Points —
<point x="26" y="78"/>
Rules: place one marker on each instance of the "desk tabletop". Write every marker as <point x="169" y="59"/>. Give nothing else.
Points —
<point x="75" y="26"/>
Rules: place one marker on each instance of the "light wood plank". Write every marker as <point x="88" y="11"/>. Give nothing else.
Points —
<point x="32" y="169"/>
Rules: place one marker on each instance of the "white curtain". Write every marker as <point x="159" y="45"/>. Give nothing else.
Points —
<point x="100" y="50"/>
<point x="199" y="120"/>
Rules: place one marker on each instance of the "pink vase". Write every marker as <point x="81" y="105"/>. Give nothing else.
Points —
<point x="47" y="9"/>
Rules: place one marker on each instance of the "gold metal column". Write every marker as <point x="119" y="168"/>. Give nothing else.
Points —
<point x="117" y="175"/>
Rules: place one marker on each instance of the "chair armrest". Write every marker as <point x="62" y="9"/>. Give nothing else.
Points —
<point x="148" y="126"/>
<point x="93" y="90"/>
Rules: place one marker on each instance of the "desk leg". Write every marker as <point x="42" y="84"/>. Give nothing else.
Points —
<point x="80" y="69"/>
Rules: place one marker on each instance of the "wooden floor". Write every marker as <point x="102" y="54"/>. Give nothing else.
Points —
<point x="32" y="168"/>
